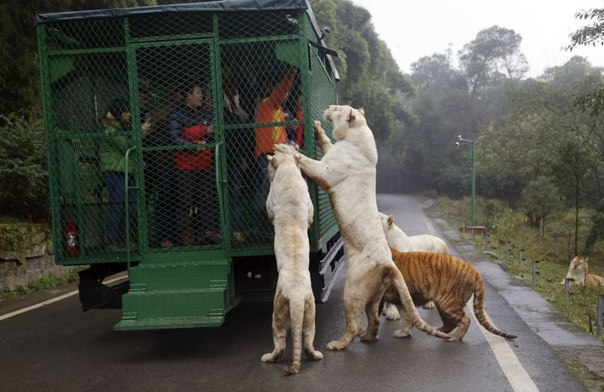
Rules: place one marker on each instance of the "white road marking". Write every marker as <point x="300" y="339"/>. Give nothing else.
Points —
<point x="52" y="300"/>
<point x="508" y="361"/>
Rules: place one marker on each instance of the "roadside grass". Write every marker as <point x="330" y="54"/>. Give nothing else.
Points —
<point x="42" y="284"/>
<point x="517" y="246"/>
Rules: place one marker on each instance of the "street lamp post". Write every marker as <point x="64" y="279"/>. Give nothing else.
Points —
<point x="472" y="152"/>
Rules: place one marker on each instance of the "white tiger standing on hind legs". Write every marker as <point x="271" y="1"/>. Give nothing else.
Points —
<point x="290" y="210"/>
<point x="347" y="172"/>
<point x="400" y="241"/>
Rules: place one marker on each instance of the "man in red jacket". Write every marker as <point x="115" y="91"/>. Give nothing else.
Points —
<point x="190" y="124"/>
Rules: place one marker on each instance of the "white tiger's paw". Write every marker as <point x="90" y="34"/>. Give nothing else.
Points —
<point x="391" y="312"/>
<point x="314" y="355"/>
<point x="402" y="333"/>
<point x="269" y="357"/>
<point x="429" y="305"/>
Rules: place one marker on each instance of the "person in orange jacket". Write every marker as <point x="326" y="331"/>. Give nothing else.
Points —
<point x="270" y="110"/>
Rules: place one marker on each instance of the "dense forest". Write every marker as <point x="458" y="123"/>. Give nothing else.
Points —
<point x="539" y="141"/>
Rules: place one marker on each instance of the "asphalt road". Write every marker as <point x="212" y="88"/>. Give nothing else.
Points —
<point x="59" y="348"/>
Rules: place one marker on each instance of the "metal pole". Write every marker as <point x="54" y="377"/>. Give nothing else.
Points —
<point x="566" y="290"/>
<point x="473" y="157"/>
<point x="535" y="272"/>
<point x="600" y="314"/>
<point x="472" y="152"/>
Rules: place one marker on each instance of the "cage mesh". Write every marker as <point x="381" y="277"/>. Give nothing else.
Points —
<point x="195" y="179"/>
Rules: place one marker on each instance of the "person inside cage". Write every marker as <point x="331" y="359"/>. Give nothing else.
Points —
<point x="270" y="109"/>
<point x="197" y="202"/>
<point x="159" y="172"/>
<point x="239" y="150"/>
<point x="118" y="139"/>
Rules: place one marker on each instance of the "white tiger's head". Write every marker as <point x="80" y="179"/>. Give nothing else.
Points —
<point x="281" y="158"/>
<point x="343" y="118"/>
<point x="396" y="238"/>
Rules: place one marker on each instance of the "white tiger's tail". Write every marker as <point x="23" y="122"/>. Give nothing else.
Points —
<point x="399" y="284"/>
<point x="296" y="314"/>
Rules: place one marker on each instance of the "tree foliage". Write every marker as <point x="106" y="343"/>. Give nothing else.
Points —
<point x="540" y="199"/>
<point x="23" y="175"/>
<point x="371" y="79"/>
<point x="19" y="74"/>
<point x="590" y="35"/>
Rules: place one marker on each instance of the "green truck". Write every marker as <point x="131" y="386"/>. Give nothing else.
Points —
<point x="190" y="256"/>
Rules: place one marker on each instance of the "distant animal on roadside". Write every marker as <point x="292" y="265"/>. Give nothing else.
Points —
<point x="449" y="282"/>
<point x="400" y="241"/>
<point x="397" y="239"/>
<point x="347" y="172"/>
<point x="578" y="271"/>
<point x="290" y="210"/>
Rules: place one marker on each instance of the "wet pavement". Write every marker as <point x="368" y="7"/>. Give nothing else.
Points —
<point x="582" y="353"/>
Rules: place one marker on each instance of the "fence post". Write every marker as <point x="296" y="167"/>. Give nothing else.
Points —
<point x="521" y="258"/>
<point x="600" y="314"/>
<point x="535" y="271"/>
<point x="566" y="289"/>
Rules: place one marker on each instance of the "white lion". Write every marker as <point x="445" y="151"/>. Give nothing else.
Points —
<point x="398" y="240"/>
<point x="290" y="210"/>
<point x="347" y="172"/>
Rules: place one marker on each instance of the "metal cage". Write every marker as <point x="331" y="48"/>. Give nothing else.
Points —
<point x="183" y="206"/>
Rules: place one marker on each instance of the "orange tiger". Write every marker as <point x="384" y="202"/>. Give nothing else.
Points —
<point x="578" y="271"/>
<point x="449" y="282"/>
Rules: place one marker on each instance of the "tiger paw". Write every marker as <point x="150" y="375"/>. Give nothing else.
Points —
<point x="269" y="357"/>
<point x="336" y="345"/>
<point x="314" y="355"/>
<point x="391" y="312"/>
<point x="429" y="305"/>
<point x="402" y="333"/>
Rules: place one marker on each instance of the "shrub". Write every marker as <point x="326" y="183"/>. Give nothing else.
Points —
<point x="23" y="172"/>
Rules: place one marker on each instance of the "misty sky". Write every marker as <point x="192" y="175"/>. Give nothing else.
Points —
<point x="416" y="28"/>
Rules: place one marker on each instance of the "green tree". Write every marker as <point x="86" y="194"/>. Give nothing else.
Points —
<point x="426" y="147"/>
<point x="495" y="49"/>
<point x="590" y="35"/>
<point x="540" y="200"/>
<point x="19" y="74"/>
<point x="371" y="79"/>
<point x="593" y="33"/>
<point x="23" y="175"/>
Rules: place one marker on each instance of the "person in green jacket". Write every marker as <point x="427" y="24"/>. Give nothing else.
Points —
<point x="118" y="139"/>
